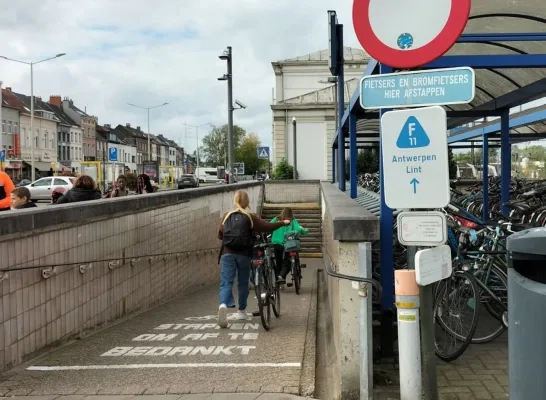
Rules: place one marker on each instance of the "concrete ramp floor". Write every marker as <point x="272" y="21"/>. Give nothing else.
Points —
<point x="176" y="350"/>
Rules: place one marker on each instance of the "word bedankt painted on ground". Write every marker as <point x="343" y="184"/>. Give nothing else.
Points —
<point x="186" y="332"/>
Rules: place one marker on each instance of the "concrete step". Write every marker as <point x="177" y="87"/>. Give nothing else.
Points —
<point x="298" y="215"/>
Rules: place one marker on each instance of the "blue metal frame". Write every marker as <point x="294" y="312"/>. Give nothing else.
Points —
<point x="496" y="127"/>
<point x="353" y="155"/>
<point x="499" y="106"/>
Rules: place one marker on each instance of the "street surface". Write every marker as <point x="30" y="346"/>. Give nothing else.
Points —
<point x="177" y="349"/>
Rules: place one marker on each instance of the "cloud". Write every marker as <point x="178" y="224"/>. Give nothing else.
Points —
<point x="151" y="52"/>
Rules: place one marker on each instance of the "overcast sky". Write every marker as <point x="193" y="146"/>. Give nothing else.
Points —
<point x="149" y="52"/>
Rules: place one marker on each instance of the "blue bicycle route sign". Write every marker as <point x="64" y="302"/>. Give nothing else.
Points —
<point x="415" y="166"/>
<point x="418" y="88"/>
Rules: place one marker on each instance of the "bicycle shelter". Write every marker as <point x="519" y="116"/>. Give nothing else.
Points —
<point x="510" y="71"/>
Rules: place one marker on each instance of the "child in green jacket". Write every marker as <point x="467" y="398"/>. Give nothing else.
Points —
<point x="277" y="239"/>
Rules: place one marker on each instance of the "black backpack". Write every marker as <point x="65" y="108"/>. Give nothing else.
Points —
<point x="237" y="234"/>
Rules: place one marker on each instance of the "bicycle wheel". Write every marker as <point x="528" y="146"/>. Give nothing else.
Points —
<point x="296" y="274"/>
<point x="497" y="283"/>
<point x="264" y="305"/>
<point x="275" y="294"/>
<point x="455" y="329"/>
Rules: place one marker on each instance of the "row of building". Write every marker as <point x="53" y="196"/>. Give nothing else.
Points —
<point x="66" y="138"/>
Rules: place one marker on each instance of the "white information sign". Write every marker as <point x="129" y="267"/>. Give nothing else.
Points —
<point x="422" y="228"/>
<point x="415" y="158"/>
<point x="433" y="265"/>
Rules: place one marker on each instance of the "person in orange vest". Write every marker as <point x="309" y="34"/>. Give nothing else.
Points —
<point x="6" y="187"/>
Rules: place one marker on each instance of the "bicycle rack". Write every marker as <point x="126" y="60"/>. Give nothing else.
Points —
<point x="151" y="258"/>
<point x="134" y="261"/>
<point x="3" y="275"/>
<point x="371" y="201"/>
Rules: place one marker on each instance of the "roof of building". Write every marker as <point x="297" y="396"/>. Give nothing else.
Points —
<point x="169" y="142"/>
<point x="9" y="99"/>
<point x="323" y="96"/>
<point x="40" y="105"/>
<point x="351" y="54"/>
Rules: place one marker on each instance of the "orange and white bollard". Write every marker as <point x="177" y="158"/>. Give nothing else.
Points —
<point x="409" y="342"/>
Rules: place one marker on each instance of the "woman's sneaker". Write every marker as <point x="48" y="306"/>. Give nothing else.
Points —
<point x="241" y="316"/>
<point x="222" y="316"/>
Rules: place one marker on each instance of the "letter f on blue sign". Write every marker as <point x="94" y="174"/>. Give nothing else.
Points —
<point x="412" y="135"/>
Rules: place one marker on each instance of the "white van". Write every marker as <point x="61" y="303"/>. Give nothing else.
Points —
<point x="207" y="175"/>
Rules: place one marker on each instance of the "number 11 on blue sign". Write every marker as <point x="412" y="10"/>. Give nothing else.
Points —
<point x="412" y="135"/>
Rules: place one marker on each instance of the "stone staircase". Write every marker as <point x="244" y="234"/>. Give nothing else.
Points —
<point x="309" y="216"/>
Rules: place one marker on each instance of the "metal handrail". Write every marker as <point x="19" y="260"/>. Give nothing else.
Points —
<point x="372" y="281"/>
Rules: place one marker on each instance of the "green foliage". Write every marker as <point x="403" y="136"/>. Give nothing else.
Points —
<point x="283" y="170"/>
<point x="214" y="150"/>
<point x="452" y="164"/>
<point x="247" y="153"/>
<point x="366" y="162"/>
<point x="131" y="181"/>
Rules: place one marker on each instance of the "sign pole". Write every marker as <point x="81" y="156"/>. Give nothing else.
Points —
<point x="430" y="381"/>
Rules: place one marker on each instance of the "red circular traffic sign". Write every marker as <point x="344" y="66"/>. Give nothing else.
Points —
<point x="409" y="34"/>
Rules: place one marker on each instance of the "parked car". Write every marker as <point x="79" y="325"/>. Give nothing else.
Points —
<point x="42" y="188"/>
<point x="23" y="182"/>
<point x="188" y="181"/>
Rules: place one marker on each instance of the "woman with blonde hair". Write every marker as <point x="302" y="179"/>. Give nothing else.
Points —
<point x="235" y="231"/>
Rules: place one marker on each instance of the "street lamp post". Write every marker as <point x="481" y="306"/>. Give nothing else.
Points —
<point x="148" y="110"/>
<point x="197" y="134"/>
<point x="33" y="140"/>
<point x="227" y="55"/>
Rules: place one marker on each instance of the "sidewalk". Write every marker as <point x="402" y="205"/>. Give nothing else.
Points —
<point x="177" y="349"/>
<point x="217" y="396"/>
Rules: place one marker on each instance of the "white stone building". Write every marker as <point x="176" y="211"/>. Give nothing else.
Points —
<point x="302" y="91"/>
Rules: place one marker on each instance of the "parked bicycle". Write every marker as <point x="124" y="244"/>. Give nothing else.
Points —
<point x="471" y="306"/>
<point x="265" y="283"/>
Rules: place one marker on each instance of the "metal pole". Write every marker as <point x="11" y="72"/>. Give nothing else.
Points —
<point x="366" y="334"/>
<point x="1" y="132"/>
<point x="104" y="169"/>
<point x="197" y="148"/>
<point x="32" y="142"/>
<point x="341" y="108"/>
<point x="149" y="142"/>
<point x="430" y="382"/>
<point x="295" y="169"/>
<point x="407" y="302"/>
<point x="230" y="113"/>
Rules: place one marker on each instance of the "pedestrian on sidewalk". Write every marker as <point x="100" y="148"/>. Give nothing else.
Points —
<point x="20" y="198"/>
<point x="6" y="187"/>
<point x="84" y="189"/>
<point x="144" y="185"/>
<point x="121" y="187"/>
<point x="282" y="267"/>
<point x="235" y="231"/>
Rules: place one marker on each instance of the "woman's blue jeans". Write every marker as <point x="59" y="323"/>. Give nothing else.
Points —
<point x="231" y="265"/>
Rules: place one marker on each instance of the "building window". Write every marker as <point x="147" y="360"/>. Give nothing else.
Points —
<point x="9" y="128"/>
<point x="37" y="139"/>
<point x="16" y="127"/>
<point x="3" y="126"/>
<point x="23" y="137"/>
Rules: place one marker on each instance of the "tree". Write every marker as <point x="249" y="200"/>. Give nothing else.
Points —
<point x="247" y="153"/>
<point x="452" y="164"/>
<point x="283" y="170"/>
<point x="214" y="150"/>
